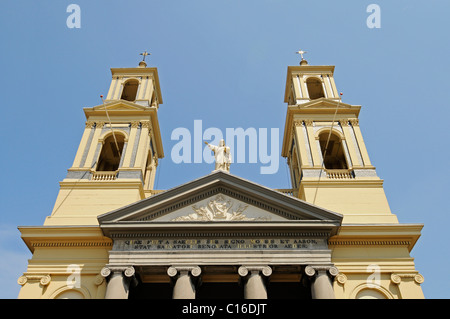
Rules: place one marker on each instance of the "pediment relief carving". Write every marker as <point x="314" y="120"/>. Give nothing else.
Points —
<point x="220" y="208"/>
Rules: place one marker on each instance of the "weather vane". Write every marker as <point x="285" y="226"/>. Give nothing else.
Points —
<point x="301" y="52"/>
<point x="144" y="54"/>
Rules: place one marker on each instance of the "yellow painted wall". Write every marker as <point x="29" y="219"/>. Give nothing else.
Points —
<point x="81" y="204"/>
<point x="357" y="203"/>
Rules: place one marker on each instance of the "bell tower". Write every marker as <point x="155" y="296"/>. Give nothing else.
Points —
<point x="330" y="167"/>
<point x="328" y="160"/>
<point x="117" y="157"/>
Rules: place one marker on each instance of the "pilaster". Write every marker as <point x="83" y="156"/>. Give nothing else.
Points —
<point x="94" y="145"/>
<point x="143" y="146"/>
<point x="408" y="284"/>
<point x="315" y="151"/>
<point x="359" y="139"/>
<point x="83" y="143"/>
<point x="301" y="140"/>
<point x="352" y="148"/>
<point x="131" y="142"/>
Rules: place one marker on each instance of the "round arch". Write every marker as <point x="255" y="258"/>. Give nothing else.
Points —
<point x="130" y="89"/>
<point x="332" y="149"/>
<point x="111" y="152"/>
<point x="67" y="292"/>
<point x="314" y="85"/>
<point x="108" y="133"/>
<point x="327" y="130"/>
<point x="370" y="291"/>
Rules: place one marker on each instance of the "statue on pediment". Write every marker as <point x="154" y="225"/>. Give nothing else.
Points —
<point x="221" y="155"/>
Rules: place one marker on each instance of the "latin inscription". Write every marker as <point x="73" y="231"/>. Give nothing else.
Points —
<point x="220" y="244"/>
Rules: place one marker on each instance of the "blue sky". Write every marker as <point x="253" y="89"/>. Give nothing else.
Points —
<point x="225" y="62"/>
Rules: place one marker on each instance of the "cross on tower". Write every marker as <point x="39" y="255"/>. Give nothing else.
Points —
<point x="301" y="52"/>
<point x="144" y="54"/>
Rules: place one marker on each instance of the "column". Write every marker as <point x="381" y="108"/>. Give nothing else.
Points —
<point x="111" y="89"/>
<point x="297" y="89"/>
<point x="302" y="144"/>
<point x="333" y="87"/>
<point x="83" y="144"/>
<point x="118" y="88"/>
<point x="360" y="141"/>
<point x="327" y="85"/>
<point x="149" y="90"/>
<point x="184" y="277"/>
<point x="315" y="149"/>
<point x="142" y="150"/>
<point x="131" y="145"/>
<point x="303" y="87"/>
<point x="119" y="281"/>
<point x="352" y="148"/>
<point x="89" y="162"/>
<point x="254" y="285"/>
<point x="321" y="284"/>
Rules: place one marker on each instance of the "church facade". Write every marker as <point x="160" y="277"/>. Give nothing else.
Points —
<point x="112" y="235"/>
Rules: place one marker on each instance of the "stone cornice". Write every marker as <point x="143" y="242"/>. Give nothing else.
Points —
<point x="219" y="229"/>
<point x="369" y="242"/>
<point x="377" y="235"/>
<point x="65" y="236"/>
<point x="105" y="184"/>
<point x="74" y="243"/>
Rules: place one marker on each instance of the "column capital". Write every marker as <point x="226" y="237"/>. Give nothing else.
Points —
<point x="99" y="124"/>
<point x="396" y="278"/>
<point x="343" y="122"/>
<point x="127" y="271"/>
<point x="90" y="124"/>
<point x="313" y="270"/>
<point x="135" y="124"/>
<point x="308" y="122"/>
<point x="298" y="123"/>
<point x="44" y="279"/>
<point x="244" y="270"/>
<point x="195" y="271"/>
<point x="145" y="124"/>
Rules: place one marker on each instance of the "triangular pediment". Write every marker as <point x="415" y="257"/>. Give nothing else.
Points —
<point x="219" y="197"/>
<point x="327" y="103"/>
<point x="120" y="105"/>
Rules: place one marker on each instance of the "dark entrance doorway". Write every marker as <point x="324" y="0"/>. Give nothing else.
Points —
<point x="151" y="291"/>
<point x="288" y="290"/>
<point x="220" y="290"/>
